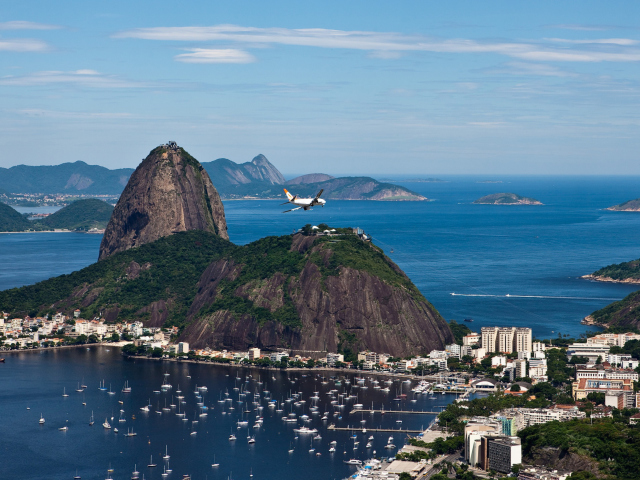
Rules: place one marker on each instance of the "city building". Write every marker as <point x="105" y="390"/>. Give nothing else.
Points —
<point x="333" y="358"/>
<point x="501" y="453"/>
<point x="590" y="351"/>
<point x="471" y="339"/>
<point x="254" y="354"/>
<point x="612" y="339"/>
<point x="506" y="339"/>
<point x="183" y="347"/>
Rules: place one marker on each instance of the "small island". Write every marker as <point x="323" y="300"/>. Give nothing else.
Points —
<point x="506" y="199"/>
<point x="630" y="206"/>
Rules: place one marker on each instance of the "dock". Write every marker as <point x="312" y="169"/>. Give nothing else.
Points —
<point x="359" y="429"/>
<point x="400" y="412"/>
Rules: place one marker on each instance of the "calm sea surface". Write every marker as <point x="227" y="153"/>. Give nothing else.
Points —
<point x="507" y="265"/>
<point x="37" y="380"/>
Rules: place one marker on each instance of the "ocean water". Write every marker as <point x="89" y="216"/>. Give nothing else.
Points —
<point x="480" y="253"/>
<point x="43" y="452"/>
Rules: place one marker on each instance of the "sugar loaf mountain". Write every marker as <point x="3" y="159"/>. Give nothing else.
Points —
<point x="165" y="259"/>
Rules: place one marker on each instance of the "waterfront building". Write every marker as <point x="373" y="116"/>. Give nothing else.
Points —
<point x="489" y="339"/>
<point x="540" y="473"/>
<point x="254" y="353"/>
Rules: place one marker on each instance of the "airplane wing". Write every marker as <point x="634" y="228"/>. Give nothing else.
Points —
<point x="319" y="193"/>
<point x="285" y="203"/>
<point x="298" y="208"/>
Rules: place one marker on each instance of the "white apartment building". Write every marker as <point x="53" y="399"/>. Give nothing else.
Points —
<point x="600" y="373"/>
<point x="506" y="339"/>
<point x="590" y="351"/>
<point x="471" y="339"/>
<point x="623" y="360"/>
<point x="278" y="356"/>
<point x="520" y="368"/>
<point x="453" y="350"/>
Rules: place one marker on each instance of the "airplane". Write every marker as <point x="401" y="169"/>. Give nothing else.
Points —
<point x="304" y="203"/>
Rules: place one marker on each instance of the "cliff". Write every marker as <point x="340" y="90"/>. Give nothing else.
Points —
<point x="304" y="293"/>
<point x="506" y="199"/>
<point x="169" y="192"/>
<point x="629" y="206"/>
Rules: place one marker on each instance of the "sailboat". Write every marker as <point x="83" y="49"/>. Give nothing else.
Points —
<point x="214" y="464"/>
<point x="91" y="421"/>
<point x="110" y="392"/>
<point x="41" y="421"/>
<point x="151" y="464"/>
<point x="166" y="453"/>
<point x="135" y="474"/>
<point x="64" y="392"/>
<point x="126" y="388"/>
<point x="79" y="389"/>
<point x="106" y="424"/>
<point x="101" y="386"/>
<point x="77" y="477"/>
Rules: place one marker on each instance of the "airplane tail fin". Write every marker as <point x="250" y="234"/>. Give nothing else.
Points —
<point x="289" y="196"/>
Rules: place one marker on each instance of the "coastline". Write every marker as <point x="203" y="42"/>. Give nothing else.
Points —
<point x="597" y="278"/>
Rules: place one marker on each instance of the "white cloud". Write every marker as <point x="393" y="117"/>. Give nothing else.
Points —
<point x="81" y="78"/>
<point x="587" y="28"/>
<point x="211" y="55"/>
<point x="23" y="25"/>
<point x="22" y="45"/>
<point x="387" y="44"/>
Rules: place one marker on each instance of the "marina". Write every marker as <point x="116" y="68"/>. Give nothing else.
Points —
<point x="271" y="425"/>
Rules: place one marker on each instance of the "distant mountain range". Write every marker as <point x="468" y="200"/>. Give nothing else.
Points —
<point x="258" y="178"/>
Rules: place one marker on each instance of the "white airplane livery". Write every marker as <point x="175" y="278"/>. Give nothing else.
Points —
<point x="304" y="203"/>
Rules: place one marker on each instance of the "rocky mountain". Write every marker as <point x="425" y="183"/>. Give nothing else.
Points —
<point x="169" y="192"/>
<point x="11" y="220"/>
<point x="506" y="199"/>
<point x="309" y="178"/>
<point x="629" y="206"/>
<point x="81" y="215"/>
<point x="304" y="293"/>
<point x="76" y="177"/>
<point x="623" y="313"/>
<point x="258" y="170"/>
<point x="356" y="188"/>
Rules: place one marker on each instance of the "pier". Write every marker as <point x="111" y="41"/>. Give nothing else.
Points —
<point x="410" y="412"/>
<point x="359" y="429"/>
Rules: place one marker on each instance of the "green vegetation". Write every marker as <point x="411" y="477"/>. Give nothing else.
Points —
<point x="620" y="271"/>
<point x="506" y="199"/>
<point x="459" y="331"/>
<point x="623" y="313"/>
<point x="613" y="443"/>
<point x="11" y="220"/>
<point x="79" y="215"/>
<point x="175" y="264"/>
<point x="351" y="252"/>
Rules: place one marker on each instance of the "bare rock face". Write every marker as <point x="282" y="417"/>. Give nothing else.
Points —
<point x="169" y="192"/>
<point x="352" y="309"/>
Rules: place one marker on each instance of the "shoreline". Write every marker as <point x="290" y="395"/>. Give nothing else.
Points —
<point x="598" y="278"/>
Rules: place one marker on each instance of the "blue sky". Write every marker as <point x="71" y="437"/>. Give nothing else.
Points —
<point x="358" y="87"/>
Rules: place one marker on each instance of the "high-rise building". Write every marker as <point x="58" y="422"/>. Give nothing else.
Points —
<point x="489" y="339"/>
<point x="506" y="339"/>
<point x="523" y="339"/>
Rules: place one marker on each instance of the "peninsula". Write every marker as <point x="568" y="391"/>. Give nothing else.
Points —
<point x="506" y="199"/>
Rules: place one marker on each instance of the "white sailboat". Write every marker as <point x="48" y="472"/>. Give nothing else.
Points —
<point x="214" y="464"/>
<point x="41" y="421"/>
<point x="166" y="453"/>
<point x="151" y="464"/>
<point x="91" y="421"/>
<point x="106" y="424"/>
<point x="64" y="392"/>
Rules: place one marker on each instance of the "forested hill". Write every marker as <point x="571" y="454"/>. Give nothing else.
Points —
<point x="308" y="293"/>
<point x="11" y="220"/>
<point x="79" y="215"/>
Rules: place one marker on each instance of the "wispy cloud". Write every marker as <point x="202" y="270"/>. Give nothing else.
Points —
<point x="22" y="45"/>
<point x="392" y="45"/>
<point x="597" y="41"/>
<point x="24" y="25"/>
<point x="586" y="28"/>
<point x="81" y="78"/>
<point x="211" y="55"/>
